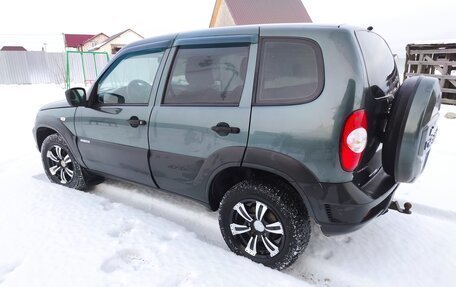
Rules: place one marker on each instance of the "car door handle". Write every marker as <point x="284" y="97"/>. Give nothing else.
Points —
<point x="135" y="122"/>
<point x="223" y="129"/>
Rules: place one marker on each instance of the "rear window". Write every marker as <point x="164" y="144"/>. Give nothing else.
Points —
<point x="291" y="71"/>
<point x="381" y="69"/>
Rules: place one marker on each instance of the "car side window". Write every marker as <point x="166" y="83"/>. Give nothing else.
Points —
<point x="207" y="76"/>
<point x="291" y="71"/>
<point x="130" y="80"/>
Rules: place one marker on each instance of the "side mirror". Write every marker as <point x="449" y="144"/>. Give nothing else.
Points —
<point x="76" y="96"/>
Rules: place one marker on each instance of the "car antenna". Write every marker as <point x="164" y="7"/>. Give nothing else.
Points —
<point x="370" y="28"/>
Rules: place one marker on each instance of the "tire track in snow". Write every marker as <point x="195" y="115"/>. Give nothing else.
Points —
<point x="322" y="251"/>
<point x="7" y="269"/>
<point x="199" y="220"/>
<point x="434" y="212"/>
<point x="182" y="211"/>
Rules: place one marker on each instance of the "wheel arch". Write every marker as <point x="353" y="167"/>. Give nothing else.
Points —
<point x="42" y="133"/>
<point x="267" y="165"/>
<point x="230" y="176"/>
<point x="47" y="125"/>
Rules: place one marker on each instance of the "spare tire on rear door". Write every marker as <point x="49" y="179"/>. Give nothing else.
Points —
<point x="411" y="128"/>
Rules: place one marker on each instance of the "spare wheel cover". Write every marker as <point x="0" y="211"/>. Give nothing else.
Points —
<point x="411" y="128"/>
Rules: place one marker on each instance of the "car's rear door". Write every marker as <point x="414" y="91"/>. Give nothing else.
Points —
<point x="200" y="122"/>
<point x="112" y="130"/>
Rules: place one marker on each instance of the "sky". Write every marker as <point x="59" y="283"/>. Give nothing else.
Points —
<point x="33" y="23"/>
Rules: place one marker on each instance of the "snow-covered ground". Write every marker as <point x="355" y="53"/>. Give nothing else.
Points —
<point x="121" y="234"/>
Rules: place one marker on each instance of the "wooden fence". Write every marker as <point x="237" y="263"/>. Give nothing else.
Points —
<point x="434" y="60"/>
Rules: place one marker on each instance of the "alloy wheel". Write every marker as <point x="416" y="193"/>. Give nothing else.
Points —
<point x="257" y="229"/>
<point x="60" y="164"/>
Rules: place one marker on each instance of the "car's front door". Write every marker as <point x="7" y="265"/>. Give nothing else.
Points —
<point x="200" y="121"/>
<point x="112" y="130"/>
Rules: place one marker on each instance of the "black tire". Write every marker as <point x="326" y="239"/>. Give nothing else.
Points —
<point x="282" y="206"/>
<point x="60" y="165"/>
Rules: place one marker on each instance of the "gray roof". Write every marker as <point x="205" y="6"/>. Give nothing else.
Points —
<point x="13" y="48"/>
<point x="267" y="11"/>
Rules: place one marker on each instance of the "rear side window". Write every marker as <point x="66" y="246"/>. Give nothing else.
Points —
<point x="207" y="76"/>
<point x="291" y="71"/>
<point x="381" y="70"/>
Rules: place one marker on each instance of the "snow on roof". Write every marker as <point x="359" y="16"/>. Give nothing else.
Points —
<point x="91" y="38"/>
<point x="434" y="42"/>
<point x="112" y="38"/>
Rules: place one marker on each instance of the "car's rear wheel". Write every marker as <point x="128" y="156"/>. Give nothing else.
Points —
<point x="60" y="165"/>
<point x="265" y="222"/>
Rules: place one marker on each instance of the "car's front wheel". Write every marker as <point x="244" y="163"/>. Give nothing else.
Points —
<point x="265" y="222"/>
<point x="60" y="165"/>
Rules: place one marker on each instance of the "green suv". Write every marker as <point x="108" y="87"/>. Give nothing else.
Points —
<point x="271" y="125"/>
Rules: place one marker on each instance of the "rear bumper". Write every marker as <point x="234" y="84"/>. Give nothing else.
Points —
<point x="345" y="207"/>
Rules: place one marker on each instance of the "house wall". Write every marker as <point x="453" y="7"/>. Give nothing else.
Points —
<point x="124" y="39"/>
<point x="95" y="41"/>
<point x="224" y="17"/>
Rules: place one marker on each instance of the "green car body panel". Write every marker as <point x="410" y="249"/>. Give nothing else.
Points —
<point x="307" y="132"/>
<point x="176" y="149"/>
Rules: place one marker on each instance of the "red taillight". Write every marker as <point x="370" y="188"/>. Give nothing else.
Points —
<point x="353" y="140"/>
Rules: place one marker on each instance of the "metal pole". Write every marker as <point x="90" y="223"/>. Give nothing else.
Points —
<point x="83" y="68"/>
<point x="67" y="71"/>
<point x="95" y="64"/>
